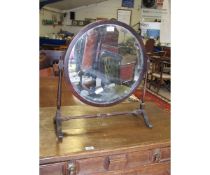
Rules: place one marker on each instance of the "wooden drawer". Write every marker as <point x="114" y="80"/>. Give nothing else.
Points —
<point x="165" y="154"/>
<point x="139" y="158"/>
<point x="91" y="165"/>
<point x="114" y="163"/>
<point x="52" y="169"/>
<point x="150" y="169"/>
<point x="161" y="155"/>
<point x="101" y="164"/>
<point x="64" y="168"/>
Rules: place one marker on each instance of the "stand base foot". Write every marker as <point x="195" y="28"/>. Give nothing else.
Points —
<point x="58" y="128"/>
<point x="146" y="119"/>
<point x="144" y="115"/>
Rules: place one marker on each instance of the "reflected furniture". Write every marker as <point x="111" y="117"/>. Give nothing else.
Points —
<point x="149" y="46"/>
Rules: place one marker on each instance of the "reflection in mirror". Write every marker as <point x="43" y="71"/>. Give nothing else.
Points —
<point x="105" y="64"/>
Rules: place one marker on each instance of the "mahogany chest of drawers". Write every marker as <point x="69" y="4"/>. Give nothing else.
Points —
<point x="120" y="145"/>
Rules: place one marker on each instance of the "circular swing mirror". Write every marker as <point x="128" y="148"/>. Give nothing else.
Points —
<point x="105" y="63"/>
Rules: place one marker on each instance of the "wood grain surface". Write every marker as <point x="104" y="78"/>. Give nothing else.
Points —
<point x="115" y="145"/>
<point x="48" y="93"/>
<point x="104" y="134"/>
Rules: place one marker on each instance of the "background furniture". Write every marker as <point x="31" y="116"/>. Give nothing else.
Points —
<point x="149" y="46"/>
<point x="48" y="60"/>
<point x="52" y="44"/>
<point x="152" y="50"/>
<point x="159" y="73"/>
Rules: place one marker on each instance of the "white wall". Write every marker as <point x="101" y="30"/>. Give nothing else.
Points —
<point x="48" y="29"/>
<point x="165" y="28"/>
<point x="107" y="9"/>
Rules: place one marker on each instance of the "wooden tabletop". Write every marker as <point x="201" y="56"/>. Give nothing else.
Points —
<point x="101" y="135"/>
<point x="114" y="133"/>
<point x="48" y="93"/>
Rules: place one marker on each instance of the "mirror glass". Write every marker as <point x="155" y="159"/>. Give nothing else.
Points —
<point x="105" y="64"/>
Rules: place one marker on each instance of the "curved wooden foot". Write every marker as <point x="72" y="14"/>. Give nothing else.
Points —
<point x="58" y="128"/>
<point x="146" y="119"/>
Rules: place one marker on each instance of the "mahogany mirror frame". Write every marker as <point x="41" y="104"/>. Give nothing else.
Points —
<point x="79" y="35"/>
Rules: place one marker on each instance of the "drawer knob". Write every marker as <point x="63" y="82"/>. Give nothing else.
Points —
<point x="69" y="168"/>
<point x="156" y="156"/>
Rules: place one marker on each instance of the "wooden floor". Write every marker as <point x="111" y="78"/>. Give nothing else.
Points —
<point x="101" y="135"/>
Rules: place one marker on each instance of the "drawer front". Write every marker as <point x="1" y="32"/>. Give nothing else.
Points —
<point x="150" y="169"/>
<point x="164" y="172"/>
<point x="161" y="155"/>
<point x="116" y="162"/>
<point x="91" y="165"/>
<point x="126" y="162"/>
<point x="165" y="154"/>
<point x="52" y="169"/>
<point x="139" y="158"/>
<point x="101" y="164"/>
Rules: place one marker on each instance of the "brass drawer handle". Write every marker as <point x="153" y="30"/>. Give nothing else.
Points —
<point x="156" y="156"/>
<point x="69" y="168"/>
